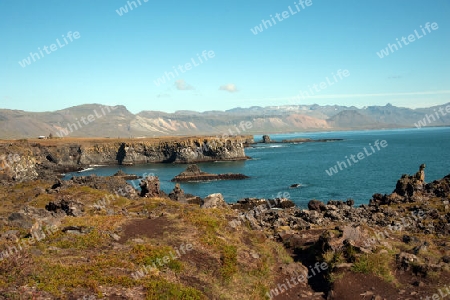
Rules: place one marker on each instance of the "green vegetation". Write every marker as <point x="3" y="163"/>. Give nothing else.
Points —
<point x="90" y="262"/>
<point x="378" y="264"/>
<point x="164" y="290"/>
<point x="228" y="262"/>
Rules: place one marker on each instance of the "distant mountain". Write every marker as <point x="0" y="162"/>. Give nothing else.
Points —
<point x="351" y="119"/>
<point x="95" y="120"/>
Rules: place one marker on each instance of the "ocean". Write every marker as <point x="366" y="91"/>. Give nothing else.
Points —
<point x="364" y="166"/>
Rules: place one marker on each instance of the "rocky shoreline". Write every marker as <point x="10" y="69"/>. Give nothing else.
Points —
<point x="42" y="159"/>
<point x="400" y="241"/>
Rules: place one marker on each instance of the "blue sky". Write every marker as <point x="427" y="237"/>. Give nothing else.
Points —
<point x="117" y="59"/>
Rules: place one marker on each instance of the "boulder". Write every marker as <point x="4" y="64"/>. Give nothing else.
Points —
<point x="21" y="220"/>
<point x="405" y="260"/>
<point x="68" y="206"/>
<point x="214" y="201"/>
<point x="316" y="205"/>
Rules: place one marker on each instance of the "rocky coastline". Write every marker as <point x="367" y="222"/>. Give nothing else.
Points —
<point x="400" y="240"/>
<point x="42" y="159"/>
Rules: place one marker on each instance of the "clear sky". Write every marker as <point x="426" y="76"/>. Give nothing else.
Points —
<point x="116" y="59"/>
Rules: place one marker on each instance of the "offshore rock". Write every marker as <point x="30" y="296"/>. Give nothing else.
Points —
<point x="193" y="173"/>
<point x="266" y="139"/>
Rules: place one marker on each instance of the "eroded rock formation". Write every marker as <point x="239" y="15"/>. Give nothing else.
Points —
<point x="193" y="173"/>
<point x="27" y="161"/>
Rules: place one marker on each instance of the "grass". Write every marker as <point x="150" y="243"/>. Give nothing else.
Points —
<point x="228" y="259"/>
<point x="58" y="278"/>
<point x="93" y="239"/>
<point x="378" y="264"/>
<point x="157" y="289"/>
<point x="147" y="255"/>
<point x="64" y="263"/>
<point x="333" y="258"/>
<point x="283" y="256"/>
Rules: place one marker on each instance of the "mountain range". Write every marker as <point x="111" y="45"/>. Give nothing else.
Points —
<point x="95" y="120"/>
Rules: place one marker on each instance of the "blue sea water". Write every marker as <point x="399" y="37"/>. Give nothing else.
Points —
<point x="275" y="167"/>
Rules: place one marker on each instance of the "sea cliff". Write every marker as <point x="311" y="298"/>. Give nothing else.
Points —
<point x="26" y="159"/>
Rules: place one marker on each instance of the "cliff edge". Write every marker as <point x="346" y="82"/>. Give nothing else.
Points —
<point x="27" y="159"/>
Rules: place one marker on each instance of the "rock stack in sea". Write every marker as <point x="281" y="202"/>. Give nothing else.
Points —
<point x="193" y="173"/>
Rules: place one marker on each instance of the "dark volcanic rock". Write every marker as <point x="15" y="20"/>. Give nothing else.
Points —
<point x="316" y="205"/>
<point x="150" y="187"/>
<point x="439" y="188"/>
<point x="177" y="194"/>
<point x="266" y="139"/>
<point x="426" y="212"/>
<point x="250" y="203"/>
<point x="193" y="173"/>
<point x="408" y="189"/>
<point x="62" y="205"/>
<point x="125" y="176"/>
<point x="69" y="207"/>
<point x="29" y="161"/>
<point x="407" y="185"/>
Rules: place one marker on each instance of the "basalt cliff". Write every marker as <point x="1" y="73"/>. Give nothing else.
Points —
<point x="27" y="159"/>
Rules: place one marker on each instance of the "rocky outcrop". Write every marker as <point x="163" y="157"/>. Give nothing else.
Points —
<point x="150" y="187"/>
<point x="266" y="139"/>
<point x="28" y="161"/>
<point x="17" y="164"/>
<point x="408" y="189"/>
<point x="252" y="203"/>
<point x="126" y="176"/>
<point x="426" y="210"/>
<point x="193" y="173"/>
<point x="214" y="201"/>
<point x="182" y="150"/>
<point x="408" y="185"/>
<point x="177" y="194"/>
<point x="316" y="205"/>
